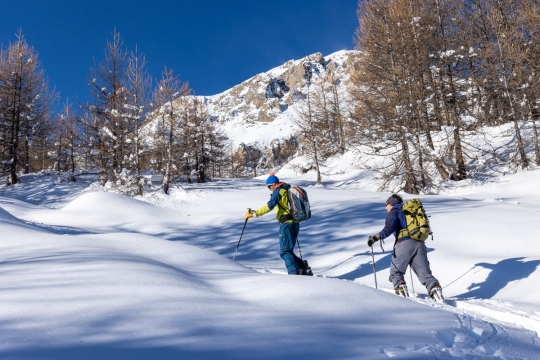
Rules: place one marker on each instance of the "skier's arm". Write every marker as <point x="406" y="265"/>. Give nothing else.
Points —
<point x="274" y="199"/>
<point x="390" y="225"/>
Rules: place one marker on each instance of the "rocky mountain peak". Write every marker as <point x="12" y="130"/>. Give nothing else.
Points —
<point x="267" y="96"/>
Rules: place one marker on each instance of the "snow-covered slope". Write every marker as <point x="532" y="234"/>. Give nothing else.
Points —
<point x="85" y="273"/>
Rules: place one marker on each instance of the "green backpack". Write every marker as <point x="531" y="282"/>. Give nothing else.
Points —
<point x="417" y="221"/>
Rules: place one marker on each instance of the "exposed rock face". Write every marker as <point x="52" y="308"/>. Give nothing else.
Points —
<point x="294" y="77"/>
<point x="266" y="96"/>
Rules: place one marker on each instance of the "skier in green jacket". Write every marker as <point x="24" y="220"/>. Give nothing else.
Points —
<point x="288" y="228"/>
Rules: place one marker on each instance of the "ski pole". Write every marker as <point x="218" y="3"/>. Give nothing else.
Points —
<point x="244" y="228"/>
<point x="374" y="269"/>
<point x="299" y="250"/>
<point x="412" y="283"/>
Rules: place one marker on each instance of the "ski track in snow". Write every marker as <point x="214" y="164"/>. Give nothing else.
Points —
<point x="483" y="331"/>
<point x="485" y="328"/>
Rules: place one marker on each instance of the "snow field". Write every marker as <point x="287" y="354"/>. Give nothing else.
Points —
<point x="86" y="273"/>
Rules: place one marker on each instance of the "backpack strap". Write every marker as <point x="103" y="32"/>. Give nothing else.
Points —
<point x="403" y="233"/>
<point x="289" y="197"/>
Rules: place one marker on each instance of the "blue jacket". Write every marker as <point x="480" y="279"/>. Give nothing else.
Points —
<point x="395" y="222"/>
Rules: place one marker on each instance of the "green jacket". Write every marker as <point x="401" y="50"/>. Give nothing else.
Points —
<point x="278" y="200"/>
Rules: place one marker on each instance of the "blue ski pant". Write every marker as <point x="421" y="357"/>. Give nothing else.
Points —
<point x="414" y="253"/>
<point x="288" y="235"/>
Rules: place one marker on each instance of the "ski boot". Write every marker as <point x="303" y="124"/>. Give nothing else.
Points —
<point x="308" y="271"/>
<point x="436" y="294"/>
<point x="402" y="289"/>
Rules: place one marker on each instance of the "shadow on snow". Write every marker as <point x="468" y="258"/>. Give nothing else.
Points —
<point x="501" y="274"/>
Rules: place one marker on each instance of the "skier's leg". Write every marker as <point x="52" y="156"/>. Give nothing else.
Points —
<point x="400" y="260"/>
<point x="295" y="230"/>
<point x="420" y="266"/>
<point x="286" y="245"/>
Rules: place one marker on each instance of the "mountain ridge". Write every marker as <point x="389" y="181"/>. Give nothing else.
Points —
<point x="257" y="114"/>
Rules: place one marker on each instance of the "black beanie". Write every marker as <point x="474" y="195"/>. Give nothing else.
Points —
<point x="394" y="200"/>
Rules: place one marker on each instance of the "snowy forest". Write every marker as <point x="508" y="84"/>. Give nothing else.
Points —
<point x="429" y="78"/>
<point x="439" y="71"/>
<point x="129" y="126"/>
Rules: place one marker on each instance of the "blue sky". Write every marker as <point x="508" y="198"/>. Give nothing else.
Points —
<point x="213" y="44"/>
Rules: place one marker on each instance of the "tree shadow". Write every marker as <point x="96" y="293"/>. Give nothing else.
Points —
<point x="502" y="273"/>
<point x="260" y="241"/>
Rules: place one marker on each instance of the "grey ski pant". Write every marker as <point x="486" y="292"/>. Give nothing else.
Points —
<point x="414" y="253"/>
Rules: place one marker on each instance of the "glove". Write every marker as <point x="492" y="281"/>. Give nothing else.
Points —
<point x="249" y="214"/>
<point x="373" y="239"/>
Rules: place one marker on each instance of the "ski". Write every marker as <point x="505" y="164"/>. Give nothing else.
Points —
<point x="402" y="290"/>
<point x="436" y="294"/>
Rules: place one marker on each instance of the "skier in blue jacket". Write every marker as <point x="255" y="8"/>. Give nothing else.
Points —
<point x="407" y="252"/>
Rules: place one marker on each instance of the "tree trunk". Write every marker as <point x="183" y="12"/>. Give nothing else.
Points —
<point x="462" y="171"/>
<point x="26" y="156"/>
<point x="167" y="177"/>
<point x="12" y="177"/>
<point x="454" y="114"/>
<point x="536" y="148"/>
<point x="410" y="179"/>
